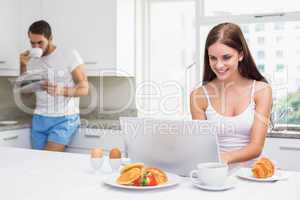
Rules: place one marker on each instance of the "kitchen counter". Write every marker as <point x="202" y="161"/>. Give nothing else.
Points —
<point x="114" y="124"/>
<point x="85" y="123"/>
<point x="95" y="120"/>
<point x="33" y="175"/>
<point x="284" y="134"/>
<point x="22" y="123"/>
<point x="100" y="123"/>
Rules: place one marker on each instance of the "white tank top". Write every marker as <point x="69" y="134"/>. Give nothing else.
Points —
<point x="233" y="132"/>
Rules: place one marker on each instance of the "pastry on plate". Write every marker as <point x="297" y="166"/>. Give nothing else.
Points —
<point x="130" y="176"/>
<point x="133" y="165"/>
<point x="159" y="175"/>
<point x="263" y="168"/>
<point x="137" y="174"/>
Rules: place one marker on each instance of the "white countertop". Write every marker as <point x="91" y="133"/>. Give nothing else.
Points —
<point x="34" y="175"/>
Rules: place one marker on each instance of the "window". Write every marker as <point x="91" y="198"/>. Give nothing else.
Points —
<point x="170" y="52"/>
<point x="298" y="82"/>
<point x="297" y="26"/>
<point x="279" y="38"/>
<point x="278" y="45"/>
<point x="261" y="68"/>
<point x="260" y="40"/>
<point x="260" y="54"/>
<point x="247" y="39"/>
<point x="234" y="7"/>
<point x="278" y="26"/>
<point x="279" y="67"/>
<point x="174" y="36"/>
<point x="245" y="29"/>
<point x="259" y="27"/>
<point x="279" y="54"/>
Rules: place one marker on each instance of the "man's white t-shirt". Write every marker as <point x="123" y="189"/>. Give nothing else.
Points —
<point x="57" y="67"/>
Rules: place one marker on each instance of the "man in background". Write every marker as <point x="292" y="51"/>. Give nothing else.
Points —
<point x="56" y="116"/>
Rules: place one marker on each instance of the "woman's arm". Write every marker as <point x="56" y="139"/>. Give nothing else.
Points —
<point x="80" y="89"/>
<point x="198" y="104"/>
<point x="263" y="107"/>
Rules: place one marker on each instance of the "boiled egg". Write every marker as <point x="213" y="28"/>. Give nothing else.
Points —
<point x="115" y="153"/>
<point x="96" y="153"/>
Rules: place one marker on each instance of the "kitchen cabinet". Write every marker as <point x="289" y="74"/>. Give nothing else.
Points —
<point x="9" y="40"/>
<point x="30" y="12"/>
<point x="284" y="151"/>
<point x="15" y="138"/>
<point x="88" y="26"/>
<point x="9" y="71"/>
<point x="15" y="19"/>
<point x="87" y="138"/>
<point x="101" y="30"/>
<point x="83" y="141"/>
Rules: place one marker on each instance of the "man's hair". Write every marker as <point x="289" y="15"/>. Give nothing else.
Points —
<point x="41" y="27"/>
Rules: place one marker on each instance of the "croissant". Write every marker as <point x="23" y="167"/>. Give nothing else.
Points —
<point x="263" y="168"/>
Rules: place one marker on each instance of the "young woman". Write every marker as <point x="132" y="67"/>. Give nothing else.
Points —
<point x="233" y="93"/>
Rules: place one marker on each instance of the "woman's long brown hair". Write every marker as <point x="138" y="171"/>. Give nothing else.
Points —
<point x="231" y="35"/>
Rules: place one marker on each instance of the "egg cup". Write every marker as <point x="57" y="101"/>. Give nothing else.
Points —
<point x="96" y="163"/>
<point x="115" y="164"/>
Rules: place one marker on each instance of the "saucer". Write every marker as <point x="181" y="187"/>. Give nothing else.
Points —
<point x="230" y="184"/>
<point x="246" y="173"/>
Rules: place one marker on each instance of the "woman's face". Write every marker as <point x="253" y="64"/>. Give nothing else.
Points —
<point x="224" y="60"/>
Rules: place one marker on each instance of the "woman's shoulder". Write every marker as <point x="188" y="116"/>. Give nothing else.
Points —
<point x="262" y="86"/>
<point x="209" y="88"/>
<point x="261" y="83"/>
<point x="203" y="89"/>
<point x="198" y="97"/>
<point x="199" y="91"/>
<point x="262" y="90"/>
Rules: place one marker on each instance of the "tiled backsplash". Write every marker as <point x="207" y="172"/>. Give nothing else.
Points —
<point x="109" y="98"/>
<point x="112" y="94"/>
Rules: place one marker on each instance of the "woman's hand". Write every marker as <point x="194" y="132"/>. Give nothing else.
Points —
<point x="225" y="157"/>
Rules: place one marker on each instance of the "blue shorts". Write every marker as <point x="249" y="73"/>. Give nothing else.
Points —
<point x="54" y="129"/>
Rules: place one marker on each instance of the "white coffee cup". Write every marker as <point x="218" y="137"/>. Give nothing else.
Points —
<point x="210" y="174"/>
<point x="36" y="52"/>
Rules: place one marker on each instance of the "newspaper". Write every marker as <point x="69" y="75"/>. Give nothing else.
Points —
<point x="30" y="82"/>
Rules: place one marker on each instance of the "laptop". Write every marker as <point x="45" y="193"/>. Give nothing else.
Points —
<point x="176" y="146"/>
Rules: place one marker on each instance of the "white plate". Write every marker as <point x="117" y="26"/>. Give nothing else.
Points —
<point x="230" y="184"/>
<point x="246" y="173"/>
<point x="173" y="180"/>
<point x="8" y="122"/>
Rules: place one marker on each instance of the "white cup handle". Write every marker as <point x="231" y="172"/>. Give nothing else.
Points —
<point x="194" y="180"/>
